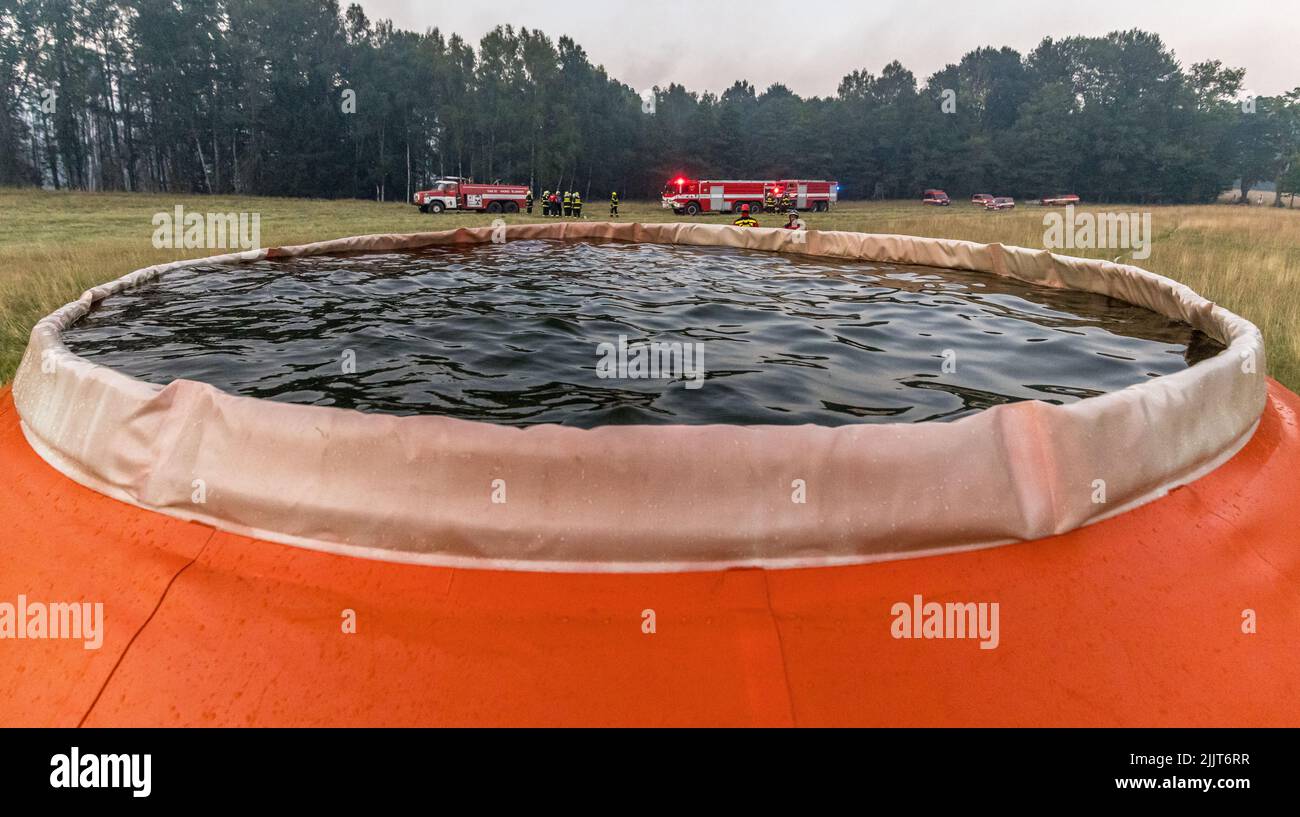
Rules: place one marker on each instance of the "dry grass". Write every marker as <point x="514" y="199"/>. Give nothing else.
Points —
<point x="55" y="245"/>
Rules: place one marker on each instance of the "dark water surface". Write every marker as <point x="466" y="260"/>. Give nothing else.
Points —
<point x="509" y="334"/>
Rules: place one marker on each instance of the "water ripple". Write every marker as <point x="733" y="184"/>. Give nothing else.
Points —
<point x="509" y="333"/>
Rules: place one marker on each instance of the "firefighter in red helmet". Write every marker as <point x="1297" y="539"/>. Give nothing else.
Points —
<point x="745" y="220"/>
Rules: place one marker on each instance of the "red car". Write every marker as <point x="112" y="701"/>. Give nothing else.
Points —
<point x="981" y="199"/>
<point x="1066" y="198"/>
<point x="935" y="197"/>
<point x="1001" y="203"/>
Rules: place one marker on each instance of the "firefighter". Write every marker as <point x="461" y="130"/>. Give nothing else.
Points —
<point x="546" y="202"/>
<point x="528" y="201"/>
<point x="769" y="201"/>
<point x="568" y="203"/>
<point x="577" y="204"/>
<point x="613" y="204"/>
<point x="555" y="203"/>
<point x="792" y="221"/>
<point x="785" y="200"/>
<point x="745" y="220"/>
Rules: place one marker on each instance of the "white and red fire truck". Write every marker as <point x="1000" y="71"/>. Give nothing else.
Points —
<point x="463" y="194"/>
<point x="694" y="196"/>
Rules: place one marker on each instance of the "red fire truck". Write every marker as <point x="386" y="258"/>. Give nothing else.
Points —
<point x="459" y="193"/>
<point x="694" y="196"/>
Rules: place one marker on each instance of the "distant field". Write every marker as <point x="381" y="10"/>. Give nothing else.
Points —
<point x="54" y="245"/>
<point x="1260" y="198"/>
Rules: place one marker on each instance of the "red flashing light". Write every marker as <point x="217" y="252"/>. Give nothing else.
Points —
<point x="680" y="180"/>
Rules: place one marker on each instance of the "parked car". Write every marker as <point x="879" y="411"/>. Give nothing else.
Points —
<point x="981" y="199"/>
<point x="1059" y="199"/>
<point x="1001" y="203"/>
<point x="935" y="197"/>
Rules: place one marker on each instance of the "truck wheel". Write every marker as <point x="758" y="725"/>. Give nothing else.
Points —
<point x="692" y="209"/>
<point x="494" y="207"/>
<point x="436" y="207"/>
<point x="511" y="207"/>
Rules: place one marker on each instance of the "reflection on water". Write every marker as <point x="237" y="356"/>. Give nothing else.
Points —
<point x="509" y="333"/>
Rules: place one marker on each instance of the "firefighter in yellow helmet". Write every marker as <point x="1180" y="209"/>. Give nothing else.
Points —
<point x="745" y="220"/>
<point x="528" y="201"/>
<point x="568" y="203"/>
<point x="546" y="202"/>
<point x="769" y="201"/>
<point x="785" y="200"/>
<point x="613" y="204"/>
<point x="577" y="204"/>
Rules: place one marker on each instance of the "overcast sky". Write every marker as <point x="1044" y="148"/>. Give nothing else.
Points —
<point x="810" y="45"/>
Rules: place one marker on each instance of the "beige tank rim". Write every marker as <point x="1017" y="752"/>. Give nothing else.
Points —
<point x="649" y="498"/>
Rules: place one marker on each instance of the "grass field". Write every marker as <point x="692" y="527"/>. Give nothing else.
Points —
<point x="55" y="245"/>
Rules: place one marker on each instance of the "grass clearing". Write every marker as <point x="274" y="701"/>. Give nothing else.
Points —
<point x="54" y="245"/>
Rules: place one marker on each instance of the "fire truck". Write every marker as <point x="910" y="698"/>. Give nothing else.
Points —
<point x="459" y="193"/>
<point x="694" y="196"/>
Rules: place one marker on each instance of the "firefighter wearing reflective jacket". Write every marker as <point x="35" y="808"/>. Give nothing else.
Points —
<point x="528" y="201"/>
<point x="577" y="204"/>
<point x="785" y="201"/>
<point x="769" y="202"/>
<point x="568" y="203"/>
<point x="613" y="204"/>
<point x="745" y="220"/>
<point x="546" y="202"/>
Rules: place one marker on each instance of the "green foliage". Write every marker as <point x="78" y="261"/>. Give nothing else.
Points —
<point x="249" y="97"/>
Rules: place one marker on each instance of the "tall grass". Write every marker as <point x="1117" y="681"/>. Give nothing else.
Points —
<point x="55" y="245"/>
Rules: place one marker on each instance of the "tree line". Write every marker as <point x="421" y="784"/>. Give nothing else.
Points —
<point x="303" y="98"/>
